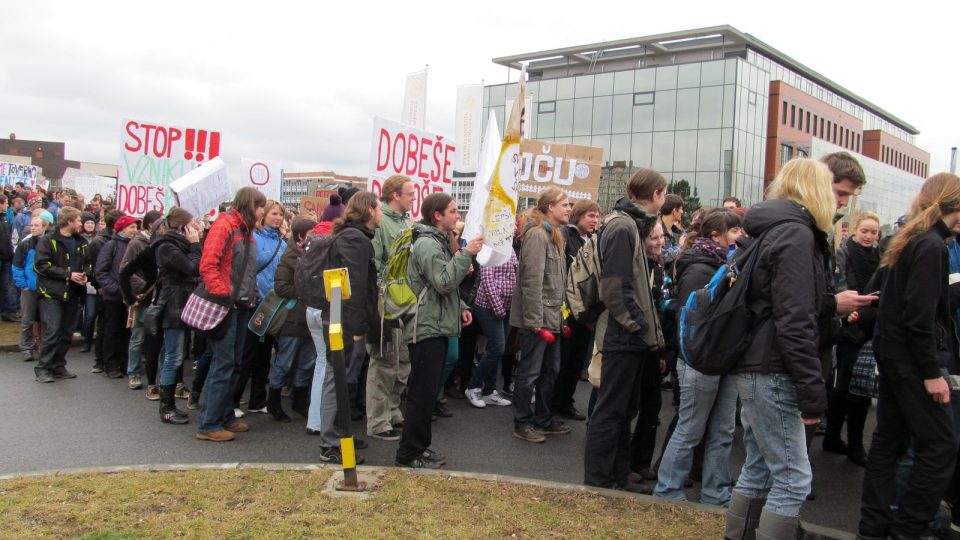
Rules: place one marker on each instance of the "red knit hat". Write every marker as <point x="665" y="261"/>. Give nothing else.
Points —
<point x="123" y="223"/>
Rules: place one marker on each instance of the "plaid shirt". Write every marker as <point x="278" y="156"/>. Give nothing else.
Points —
<point x="496" y="286"/>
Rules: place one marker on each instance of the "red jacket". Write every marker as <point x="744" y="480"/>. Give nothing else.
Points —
<point x="222" y="256"/>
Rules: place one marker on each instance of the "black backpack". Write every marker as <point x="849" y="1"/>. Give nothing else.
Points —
<point x="308" y="277"/>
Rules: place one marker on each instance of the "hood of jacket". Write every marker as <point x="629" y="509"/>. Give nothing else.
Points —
<point x="175" y="238"/>
<point x="360" y="227"/>
<point x="767" y="214"/>
<point x="645" y="220"/>
<point x="691" y="257"/>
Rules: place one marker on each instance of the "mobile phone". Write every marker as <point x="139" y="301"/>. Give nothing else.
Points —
<point x="874" y="293"/>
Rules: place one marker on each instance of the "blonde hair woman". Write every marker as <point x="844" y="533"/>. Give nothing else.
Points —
<point x="779" y="377"/>
<point x="914" y="345"/>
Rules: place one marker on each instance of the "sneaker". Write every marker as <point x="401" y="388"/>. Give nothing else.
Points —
<point x="418" y="463"/>
<point x="332" y="455"/>
<point x="181" y="392"/>
<point x="529" y="434"/>
<point x="388" y="435"/>
<point x="259" y="411"/>
<point x="97" y="368"/>
<point x="441" y="411"/>
<point x="215" y="436"/>
<point x="194" y="402"/>
<point x="238" y="413"/>
<point x="556" y="427"/>
<point x="135" y="383"/>
<point x="495" y="399"/>
<point x="27" y="356"/>
<point x="474" y="397"/>
<point x="436" y="457"/>
<point x="114" y="374"/>
<point x="62" y="373"/>
<point x="45" y="378"/>
<point x="153" y="392"/>
<point x="237" y="427"/>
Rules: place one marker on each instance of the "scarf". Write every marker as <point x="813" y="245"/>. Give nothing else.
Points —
<point x="708" y="247"/>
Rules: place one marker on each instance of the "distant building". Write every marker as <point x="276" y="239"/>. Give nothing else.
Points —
<point x="50" y="156"/>
<point x="300" y="184"/>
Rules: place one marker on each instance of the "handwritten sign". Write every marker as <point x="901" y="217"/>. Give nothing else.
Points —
<point x="260" y="174"/>
<point x="11" y="173"/>
<point x="152" y="156"/>
<point x="574" y="169"/>
<point x="202" y="189"/>
<point x="313" y="204"/>
<point x="425" y="157"/>
<point x="89" y="185"/>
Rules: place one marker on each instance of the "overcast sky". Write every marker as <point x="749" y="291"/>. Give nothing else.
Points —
<point x="300" y="82"/>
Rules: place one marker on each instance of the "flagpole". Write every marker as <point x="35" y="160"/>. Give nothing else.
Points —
<point x="426" y="69"/>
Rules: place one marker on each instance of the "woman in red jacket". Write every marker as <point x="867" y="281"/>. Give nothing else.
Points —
<point x="228" y="271"/>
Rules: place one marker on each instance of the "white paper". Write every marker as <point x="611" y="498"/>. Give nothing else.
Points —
<point x="203" y="188"/>
<point x="489" y="151"/>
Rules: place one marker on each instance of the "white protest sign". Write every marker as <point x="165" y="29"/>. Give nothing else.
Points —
<point x="11" y="173"/>
<point x="467" y="127"/>
<point x="88" y="184"/>
<point x="203" y="188"/>
<point x="260" y="174"/>
<point x="425" y="157"/>
<point x="154" y="155"/>
<point x="489" y="153"/>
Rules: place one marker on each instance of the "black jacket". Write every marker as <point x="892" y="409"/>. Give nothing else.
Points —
<point x="912" y="338"/>
<point x="107" y="268"/>
<point x="572" y="243"/>
<point x="694" y="271"/>
<point x="96" y="245"/>
<point x="144" y="262"/>
<point x="296" y="323"/>
<point x="53" y="266"/>
<point x="6" y="242"/>
<point x="786" y="291"/>
<point x="178" y="264"/>
<point x="353" y="248"/>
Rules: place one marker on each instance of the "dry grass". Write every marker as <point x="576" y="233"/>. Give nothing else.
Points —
<point x="289" y="504"/>
<point x="9" y="333"/>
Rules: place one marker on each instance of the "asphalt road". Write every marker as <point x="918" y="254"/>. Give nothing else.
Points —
<point x="93" y="421"/>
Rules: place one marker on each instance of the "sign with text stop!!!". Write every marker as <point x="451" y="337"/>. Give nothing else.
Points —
<point x="153" y="155"/>
<point x="425" y="157"/>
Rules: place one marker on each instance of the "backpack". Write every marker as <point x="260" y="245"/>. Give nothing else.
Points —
<point x="397" y="301"/>
<point x="308" y="277"/>
<point x="716" y="323"/>
<point x="583" y="280"/>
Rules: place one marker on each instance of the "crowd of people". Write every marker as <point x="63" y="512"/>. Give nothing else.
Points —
<point x="502" y="336"/>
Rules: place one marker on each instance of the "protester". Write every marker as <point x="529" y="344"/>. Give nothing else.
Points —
<point x="389" y="358"/>
<point x="21" y="222"/>
<point x="25" y="277"/>
<point x="9" y="310"/>
<point x="732" y="203"/>
<point x="228" y="271"/>
<point x="535" y="311"/>
<point x="116" y="335"/>
<point x="105" y="235"/>
<point x="628" y="332"/>
<point x="141" y="345"/>
<point x="63" y="267"/>
<point x="671" y="219"/>
<point x="439" y="316"/>
<point x="914" y="352"/>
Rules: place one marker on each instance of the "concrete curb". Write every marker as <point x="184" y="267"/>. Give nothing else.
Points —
<point x="810" y="531"/>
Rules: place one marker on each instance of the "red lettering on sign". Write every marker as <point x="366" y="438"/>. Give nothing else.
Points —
<point x="425" y="145"/>
<point x="437" y="152"/>
<point x="376" y="188"/>
<point x="131" y="126"/>
<point x="398" y="167"/>
<point x="175" y="135"/>
<point x="383" y="150"/>
<point x="412" y="150"/>
<point x="447" y="150"/>
<point x="138" y="200"/>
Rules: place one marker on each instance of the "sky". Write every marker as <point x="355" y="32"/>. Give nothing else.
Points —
<point x="299" y="83"/>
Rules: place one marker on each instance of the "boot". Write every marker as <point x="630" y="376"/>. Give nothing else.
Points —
<point x="743" y="516"/>
<point x="856" y="418"/>
<point x="274" y="407"/>
<point x="775" y="526"/>
<point x="301" y="400"/>
<point x="169" y="413"/>
<point x="194" y="402"/>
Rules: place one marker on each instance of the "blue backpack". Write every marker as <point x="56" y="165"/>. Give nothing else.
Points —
<point x="716" y="322"/>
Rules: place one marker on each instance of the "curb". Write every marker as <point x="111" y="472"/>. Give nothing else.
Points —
<point x="810" y="531"/>
<point x="15" y="347"/>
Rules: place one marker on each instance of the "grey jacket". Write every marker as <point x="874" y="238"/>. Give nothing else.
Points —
<point x="539" y="291"/>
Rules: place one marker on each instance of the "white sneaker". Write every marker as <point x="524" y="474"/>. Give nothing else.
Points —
<point x="238" y="413"/>
<point x="496" y="399"/>
<point x="261" y="411"/>
<point x="474" y="397"/>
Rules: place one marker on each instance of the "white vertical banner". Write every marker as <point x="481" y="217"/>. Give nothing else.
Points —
<point x="467" y="127"/>
<point x="414" y="111"/>
<point x="261" y="174"/>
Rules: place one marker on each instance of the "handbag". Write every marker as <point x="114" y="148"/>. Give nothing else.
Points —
<point x="270" y="315"/>
<point x="865" y="380"/>
<point x="205" y="312"/>
<point x="153" y="319"/>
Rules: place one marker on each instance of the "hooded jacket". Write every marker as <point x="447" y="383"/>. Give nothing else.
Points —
<point x="107" y="270"/>
<point x="392" y="224"/>
<point x="434" y="267"/>
<point x="24" y="275"/>
<point x="53" y="265"/>
<point x="283" y="284"/>
<point x="694" y="270"/>
<point x="269" y="248"/>
<point x="138" y="280"/>
<point x="96" y="245"/>
<point x="630" y="323"/>
<point x="539" y="291"/>
<point x="223" y="255"/>
<point x="178" y="263"/>
<point x="353" y="249"/>
<point x="786" y="291"/>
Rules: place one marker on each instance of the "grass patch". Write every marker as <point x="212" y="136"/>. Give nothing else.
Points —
<point x="9" y="333"/>
<point x="289" y="504"/>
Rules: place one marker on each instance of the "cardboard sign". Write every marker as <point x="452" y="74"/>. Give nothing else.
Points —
<point x="11" y="173"/>
<point x="260" y="174"/>
<point x="154" y="155"/>
<point x="574" y="169"/>
<point x="425" y="157"/>
<point x="313" y="204"/>
<point x="203" y="188"/>
<point x="88" y="184"/>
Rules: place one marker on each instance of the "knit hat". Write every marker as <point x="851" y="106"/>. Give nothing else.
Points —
<point x="347" y="193"/>
<point x="88" y="216"/>
<point x="47" y="216"/>
<point x="35" y="198"/>
<point x="124" y="222"/>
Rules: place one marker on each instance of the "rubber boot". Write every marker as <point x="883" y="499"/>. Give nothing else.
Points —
<point x="274" y="407"/>
<point x="775" y="526"/>
<point x="301" y="400"/>
<point x="743" y="516"/>
<point x="169" y="413"/>
<point x="857" y="409"/>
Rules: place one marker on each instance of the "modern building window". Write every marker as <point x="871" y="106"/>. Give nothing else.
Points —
<point x="786" y="153"/>
<point x="793" y="116"/>
<point x="643" y="98"/>
<point x="821" y="127"/>
<point x="800" y="124"/>
<point x="813" y="128"/>
<point x="784" y="120"/>
<point x="808" y="121"/>
<point x="547" y="107"/>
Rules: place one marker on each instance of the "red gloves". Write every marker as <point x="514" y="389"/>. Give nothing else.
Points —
<point x="566" y="331"/>
<point x="547" y="336"/>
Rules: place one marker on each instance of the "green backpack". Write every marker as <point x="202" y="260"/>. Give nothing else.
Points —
<point x="397" y="301"/>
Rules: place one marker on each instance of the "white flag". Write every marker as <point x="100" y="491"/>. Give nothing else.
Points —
<point x="415" y="100"/>
<point x="467" y="127"/>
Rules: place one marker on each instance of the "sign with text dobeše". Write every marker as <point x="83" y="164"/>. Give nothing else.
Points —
<point x="153" y="155"/>
<point x="11" y="173"/>
<point x="574" y="169"/>
<point x="425" y="157"/>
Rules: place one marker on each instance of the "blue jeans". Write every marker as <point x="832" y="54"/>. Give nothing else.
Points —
<point x="708" y="407"/>
<point x="539" y="364"/>
<point x="172" y="354"/>
<point x="496" y="331"/>
<point x="135" y="351"/>
<point x="216" y="409"/>
<point x="90" y="304"/>
<point x="315" y="323"/>
<point x="774" y="439"/>
<point x="293" y="351"/>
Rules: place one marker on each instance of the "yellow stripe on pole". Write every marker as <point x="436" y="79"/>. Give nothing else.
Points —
<point x="348" y="453"/>
<point x="336" y="337"/>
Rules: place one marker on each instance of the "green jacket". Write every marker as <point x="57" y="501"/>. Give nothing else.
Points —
<point x="435" y="273"/>
<point x="392" y="224"/>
